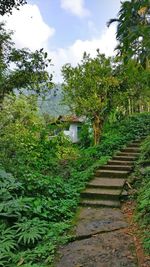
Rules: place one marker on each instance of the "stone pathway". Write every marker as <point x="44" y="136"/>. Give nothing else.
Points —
<point x="100" y="236"/>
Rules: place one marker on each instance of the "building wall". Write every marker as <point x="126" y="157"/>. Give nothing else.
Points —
<point x="73" y="132"/>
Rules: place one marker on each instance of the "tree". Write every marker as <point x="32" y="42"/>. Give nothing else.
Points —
<point x="89" y="88"/>
<point x="22" y="69"/>
<point x="134" y="87"/>
<point x="133" y="30"/>
<point x="6" y="6"/>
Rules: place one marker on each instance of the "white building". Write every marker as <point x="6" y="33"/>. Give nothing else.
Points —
<point x="74" y="127"/>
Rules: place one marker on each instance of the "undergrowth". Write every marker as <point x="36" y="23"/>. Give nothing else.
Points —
<point x="40" y="186"/>
<point x="142" y="195"/>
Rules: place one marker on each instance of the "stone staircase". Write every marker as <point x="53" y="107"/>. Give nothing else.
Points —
<point x="105" y="189"/>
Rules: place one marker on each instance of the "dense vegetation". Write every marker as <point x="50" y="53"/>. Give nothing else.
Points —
<point x="41" y="179"/>
<point x="133" y="32"/>
<point x="41" y="173"/>
<point x="141" y="186"/>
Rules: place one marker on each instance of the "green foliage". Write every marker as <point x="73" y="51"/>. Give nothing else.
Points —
<point x="36" y="199"/>
<point x="40" y="196"/>
<point x="142" y="184"/>
<point x="35" y="237"/>
<point x="144" y="197"/>
<point x="87" y="86"/>
<point x="133" y="30"/>
<point x="146" y="150"/>
<point x="7" y="242"/>
<point x="6" y="6"/>
<point x="41" y="176"/>
<point x="26" y="138"/>
<point x="85" y="135"/>
<point x="29" y="68"/>
<point x="64" y="150"/>
<point x="30" y="231"/>
<point x="89" y="89"/>
<point x="134" y="82"/>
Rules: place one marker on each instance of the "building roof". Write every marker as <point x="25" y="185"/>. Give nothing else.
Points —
<point x="71" y="119"/>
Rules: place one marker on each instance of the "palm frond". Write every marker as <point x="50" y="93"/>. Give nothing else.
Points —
<point x="111" y="21"/>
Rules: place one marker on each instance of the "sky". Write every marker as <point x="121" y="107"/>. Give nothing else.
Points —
<point x="65" y="29"/>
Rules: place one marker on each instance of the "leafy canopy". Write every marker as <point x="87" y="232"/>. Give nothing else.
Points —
<point x="134" y="84"/>
<point x="22" y="69"/>
<point x="133" y="34"/>
<point x="89" y="89"/>
<point x="6" y="6"/>
<point x="89" y="86"/>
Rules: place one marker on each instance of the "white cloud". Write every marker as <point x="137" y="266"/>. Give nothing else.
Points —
<point x="105" y="42"/>
<point x="31" y="31"/>
<point x="29" y="28"/>
<point x="75" y="7"/>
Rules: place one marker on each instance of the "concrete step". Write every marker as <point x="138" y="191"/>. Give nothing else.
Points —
<point x="131" y="149"/>
<point x="124" y="158"/>
<point x="120" y="162"/>
<point x="136" y="145"/>
<point x="106" y="183"/>
<point x="128" y="154"/>
<point x="100" y="203"/>
<point x="101" y="192"/>
<point x="111" y="173"/>
<point x="117" y="167"/>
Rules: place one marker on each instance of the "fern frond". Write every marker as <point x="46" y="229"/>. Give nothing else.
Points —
<point x="7" y="241"/>
<point x="30" y="231"/>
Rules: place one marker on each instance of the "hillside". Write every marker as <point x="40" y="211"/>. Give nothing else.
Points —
<point x="52" y="103"/>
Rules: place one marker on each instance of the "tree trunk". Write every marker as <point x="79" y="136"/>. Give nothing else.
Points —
<point x="129" y="106"/>
<point x="132" y="106"/>
<point x="97" y="127"/>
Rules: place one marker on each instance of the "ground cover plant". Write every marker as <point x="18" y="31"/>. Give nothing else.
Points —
<point x="141" y="185"/>
<point x="41" y="179"/>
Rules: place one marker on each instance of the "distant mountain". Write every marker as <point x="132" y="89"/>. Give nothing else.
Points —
<point x="52" y="103"/>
